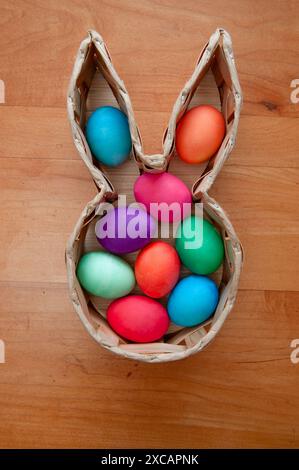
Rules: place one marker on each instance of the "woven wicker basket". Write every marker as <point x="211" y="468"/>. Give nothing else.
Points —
<point x="93" y="66"/>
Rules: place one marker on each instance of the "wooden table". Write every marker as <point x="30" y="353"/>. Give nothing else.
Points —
<point x="58" y="388"/>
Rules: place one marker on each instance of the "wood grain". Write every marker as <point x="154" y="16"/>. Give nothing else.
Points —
<point x="241" y="391"/>
<point x="58" y="388"/>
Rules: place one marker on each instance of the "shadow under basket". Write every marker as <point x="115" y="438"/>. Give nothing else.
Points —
<point x="176" y="344"/>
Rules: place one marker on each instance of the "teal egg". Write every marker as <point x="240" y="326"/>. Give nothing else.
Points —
<point x="108" y="135"/>
<point x="193" y="300"/>
<point x="105" y="275"/>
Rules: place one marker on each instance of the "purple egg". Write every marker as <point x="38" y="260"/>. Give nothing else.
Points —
<point x="125" y="229"/>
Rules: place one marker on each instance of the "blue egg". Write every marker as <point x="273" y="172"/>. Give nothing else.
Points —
<point x="108" y="135"/>
<point x="193" y="300"/>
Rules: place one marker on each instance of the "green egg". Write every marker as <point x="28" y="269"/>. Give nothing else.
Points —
<point x="200" y="246"/>
<point x="105" y="275"/>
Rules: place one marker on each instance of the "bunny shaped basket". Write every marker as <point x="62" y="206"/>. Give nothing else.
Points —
<point x="94" y="82"/>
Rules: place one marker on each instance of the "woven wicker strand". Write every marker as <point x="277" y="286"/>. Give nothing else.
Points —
<point x="94" y="57"/>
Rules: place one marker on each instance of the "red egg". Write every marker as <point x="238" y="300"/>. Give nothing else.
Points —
<point x="199" y="134"/>
<point x="164" y="195"/>
<point x="138" y="318"/>
<point x="157" y="269"/>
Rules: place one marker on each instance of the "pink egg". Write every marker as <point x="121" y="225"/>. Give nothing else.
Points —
<point x="164" y="195"/>
<point x="138" y="318"/>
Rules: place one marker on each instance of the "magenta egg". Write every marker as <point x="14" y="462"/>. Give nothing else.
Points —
<point x="138" y="318"/>
<point x="165" y="196"/>
<point x="125" y="229"/>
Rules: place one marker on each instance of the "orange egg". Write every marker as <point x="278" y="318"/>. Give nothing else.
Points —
<point x="157" y="269"/>
<point x="199" y="134"/>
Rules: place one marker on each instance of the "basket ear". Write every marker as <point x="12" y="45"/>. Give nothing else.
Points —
<point x="93" y="58"/>
<point x="217" y="57"/>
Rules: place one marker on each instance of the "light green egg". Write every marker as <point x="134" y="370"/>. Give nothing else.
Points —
<point x="105" y="275"/>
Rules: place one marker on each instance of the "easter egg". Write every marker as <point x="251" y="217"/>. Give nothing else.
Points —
<point x="157" y="269"/>
<point x="108" y="135"/>
<point x="138" y="318"/>
<point x="199" y="244"/>
<point x="193" y="300"/>
<point x="125" y="229"/>
<point x="199" y="134"/>
<point x="164" y="195"/>
<point x="105" y="275"/>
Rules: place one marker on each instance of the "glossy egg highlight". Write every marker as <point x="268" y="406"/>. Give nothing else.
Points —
<point x="138" y="318"/>
<point x="157" y="269"/>
<point x="125" y="229"/>
<point x="199" y="134"/>
<point x="105" y="275"/>
<point x="193" y="300"/>
<point x="163" y="188"/>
